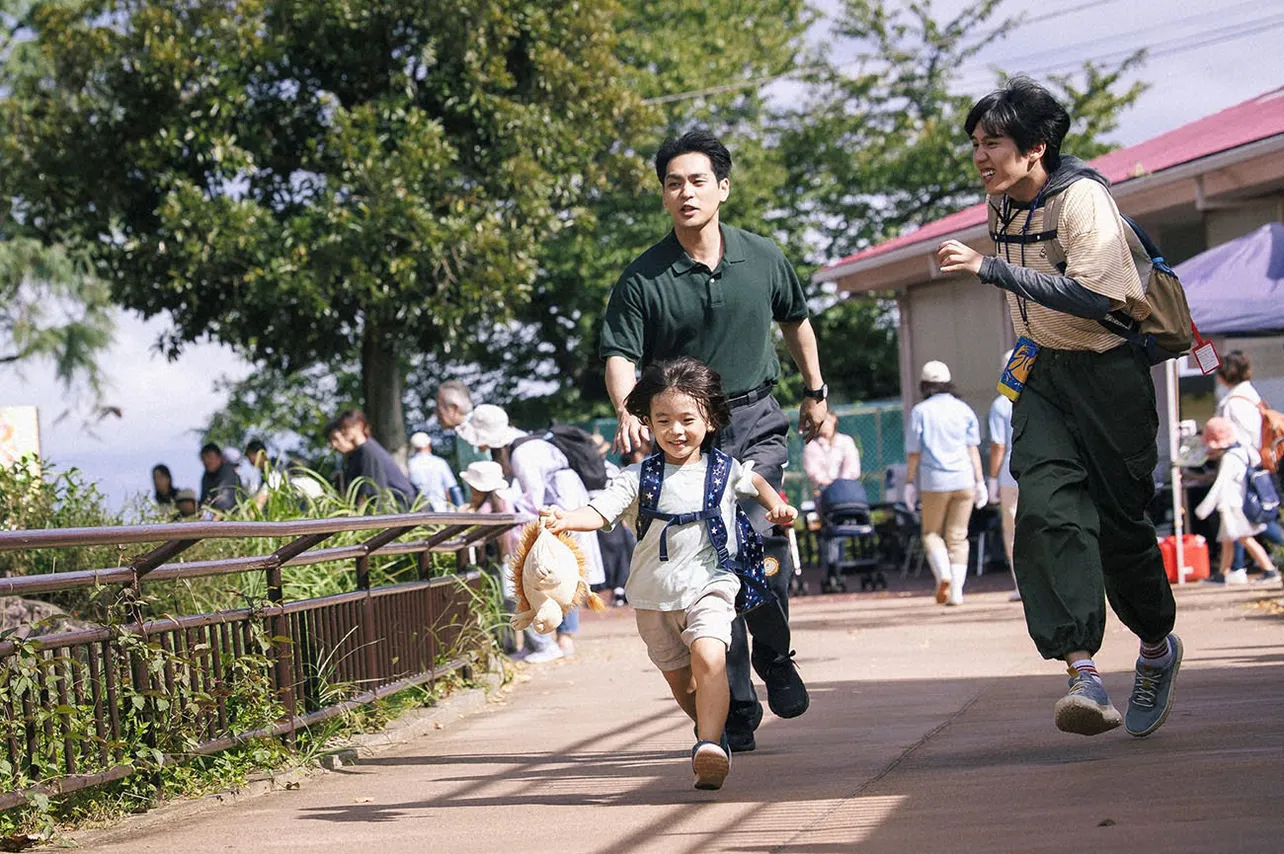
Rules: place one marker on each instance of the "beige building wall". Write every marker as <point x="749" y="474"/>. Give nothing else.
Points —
<point x="1225" y="224"/>
<point x="964" y="324"/>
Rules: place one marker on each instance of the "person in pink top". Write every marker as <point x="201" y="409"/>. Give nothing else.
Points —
<point x="830" y="456"/>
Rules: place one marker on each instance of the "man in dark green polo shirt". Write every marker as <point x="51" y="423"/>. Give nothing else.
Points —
<point x="711" y="291"/>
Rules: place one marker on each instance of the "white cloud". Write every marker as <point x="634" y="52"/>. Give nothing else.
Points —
<point x="162" y="405"/>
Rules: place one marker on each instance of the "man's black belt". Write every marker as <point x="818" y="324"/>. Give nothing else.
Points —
<point x="752" y="396"/>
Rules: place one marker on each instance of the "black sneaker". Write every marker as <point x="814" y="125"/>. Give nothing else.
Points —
<point x="786" y="693"/>
<point x="1215" y="578"/>
<point x="742" y="740"/>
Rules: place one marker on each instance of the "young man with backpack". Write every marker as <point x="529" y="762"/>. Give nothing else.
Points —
<point x="1084" y="423"/>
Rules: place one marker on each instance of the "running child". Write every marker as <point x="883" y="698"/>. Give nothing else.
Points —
<point x="1234" y="463"/>
<point x="684" y="597"/>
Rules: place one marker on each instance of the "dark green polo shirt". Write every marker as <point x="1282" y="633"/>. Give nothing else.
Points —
<point x="667" y="305"/>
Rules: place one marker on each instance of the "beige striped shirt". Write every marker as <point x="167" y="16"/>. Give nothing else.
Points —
<point x="1097" y="257"/>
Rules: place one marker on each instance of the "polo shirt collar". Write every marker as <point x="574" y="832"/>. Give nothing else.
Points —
<point x="733" y="250"/>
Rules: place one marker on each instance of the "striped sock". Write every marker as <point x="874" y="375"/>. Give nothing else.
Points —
<point x="1156" y="654"/>
<point x="1086" y="667"/>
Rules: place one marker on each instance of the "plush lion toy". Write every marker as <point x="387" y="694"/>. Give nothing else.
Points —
<point x="549" y="579"/>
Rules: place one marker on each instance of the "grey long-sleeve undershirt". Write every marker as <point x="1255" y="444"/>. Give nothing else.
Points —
<point x="1059" y="293"/>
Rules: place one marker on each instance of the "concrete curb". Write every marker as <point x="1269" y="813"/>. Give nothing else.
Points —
<point x="414" y="724"/>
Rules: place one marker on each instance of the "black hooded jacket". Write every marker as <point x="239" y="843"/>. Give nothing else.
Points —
<point x="1059" y="293"/>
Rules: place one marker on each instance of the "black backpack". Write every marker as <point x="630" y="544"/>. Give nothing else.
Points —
<point x="580" y="450"/>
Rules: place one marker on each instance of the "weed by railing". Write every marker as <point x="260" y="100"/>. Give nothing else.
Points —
<point x="135" y="694"/>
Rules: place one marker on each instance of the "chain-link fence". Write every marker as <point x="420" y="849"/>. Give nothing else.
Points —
<point x="877" y="427"/>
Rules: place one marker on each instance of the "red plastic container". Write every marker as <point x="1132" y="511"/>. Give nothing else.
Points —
<point x="1194" y="556"/>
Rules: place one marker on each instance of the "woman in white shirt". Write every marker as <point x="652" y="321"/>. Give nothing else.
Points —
<point x="942" y="452"/>
<point x="1241" y="406"/>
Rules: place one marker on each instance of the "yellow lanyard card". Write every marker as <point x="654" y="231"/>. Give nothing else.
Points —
<point x="1017" y="370"/>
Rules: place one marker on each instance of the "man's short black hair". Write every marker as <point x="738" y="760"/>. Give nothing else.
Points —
<point x="253" y="446"/>
<point x="694" y="142"/>
<point x="1028" y="113"/>
<point x="211" y="448"/>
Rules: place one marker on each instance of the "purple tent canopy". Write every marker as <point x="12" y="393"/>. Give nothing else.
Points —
<point x="1238" y="288"/>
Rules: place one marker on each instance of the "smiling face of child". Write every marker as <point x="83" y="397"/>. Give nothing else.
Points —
<point x="679" y="425"/>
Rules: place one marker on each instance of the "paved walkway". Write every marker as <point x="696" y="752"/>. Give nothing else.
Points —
<point x="930" y="730"/>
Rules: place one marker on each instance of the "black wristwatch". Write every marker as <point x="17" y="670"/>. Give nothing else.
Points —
<point x="817" y="394"/>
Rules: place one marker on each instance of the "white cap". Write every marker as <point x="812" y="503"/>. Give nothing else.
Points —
<point x="935" y="372"/>
<point x="233" y="456"/>
<point x="420" y="440"/>
<point x="487" y="427"/>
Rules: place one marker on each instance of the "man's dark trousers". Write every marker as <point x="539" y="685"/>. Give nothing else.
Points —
<point x="758" y="432"/>
<point x="1084" y="455"/>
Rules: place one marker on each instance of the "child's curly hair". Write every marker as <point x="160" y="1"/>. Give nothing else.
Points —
<point x="690" y="377"/>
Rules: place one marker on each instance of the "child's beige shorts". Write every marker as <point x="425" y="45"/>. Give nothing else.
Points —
<point x="668" y="635"/>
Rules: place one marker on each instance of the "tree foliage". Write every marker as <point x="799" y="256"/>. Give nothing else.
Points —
<point x="303" y="179"/>
<point x="51" y="306"/>
<point x="379" y="191"/>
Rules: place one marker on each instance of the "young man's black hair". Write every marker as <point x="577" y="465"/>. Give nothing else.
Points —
<point x="211" y="448"/>
<point x="1028" y="113"/>
<point x="694" y="142"/>
<point x="253" y="446"/>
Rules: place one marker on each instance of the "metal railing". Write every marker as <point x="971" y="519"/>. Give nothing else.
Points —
<point x="74" y="703"/>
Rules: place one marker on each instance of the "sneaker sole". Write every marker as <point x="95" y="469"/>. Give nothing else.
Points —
<point x="1082" y="716"/>
<point x="1172" y="692"/>
<point x="942" y="592"/>
<point x="710" y="770"/>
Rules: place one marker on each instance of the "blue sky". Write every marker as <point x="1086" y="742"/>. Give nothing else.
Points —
<point x="164" y="404"/>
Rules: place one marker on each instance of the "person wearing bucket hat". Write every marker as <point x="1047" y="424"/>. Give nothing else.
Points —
<point x="712" y="292"/>
<point x="488" y="428"/>
<point x="543" y="477"/>
<point x="1084" y="420"/>
<point x="941" y="448"/>
<point x="1003" y="486"/>
<point x="484" y="477"/>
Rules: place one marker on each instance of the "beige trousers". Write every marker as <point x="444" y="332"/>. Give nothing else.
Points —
<point x="945" y="518"/>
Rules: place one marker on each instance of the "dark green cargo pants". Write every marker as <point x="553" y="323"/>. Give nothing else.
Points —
<point x="1083" y="454"/>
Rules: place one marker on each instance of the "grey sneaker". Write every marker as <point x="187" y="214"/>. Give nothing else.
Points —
<point x="1086" y="709"/>
<point x="1152" y="693"/>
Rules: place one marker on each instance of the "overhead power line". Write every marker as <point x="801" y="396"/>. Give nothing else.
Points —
<point x="759" y="82"/>
<point x="1154" y="49"/>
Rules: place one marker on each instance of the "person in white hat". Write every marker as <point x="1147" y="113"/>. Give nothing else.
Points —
<point x="430" y="474"/>
<point x="942" y="448"/>
<point x="543" y="478"/>
<point x="1003" y="486"/>
<point x="492" y="493"/>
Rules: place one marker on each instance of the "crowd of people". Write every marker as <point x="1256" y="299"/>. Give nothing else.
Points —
<point x="688" y="346"/>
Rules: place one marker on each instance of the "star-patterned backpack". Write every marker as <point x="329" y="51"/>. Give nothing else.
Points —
<point x="750" y="560"/>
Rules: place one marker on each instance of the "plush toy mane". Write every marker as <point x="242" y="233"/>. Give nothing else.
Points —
<point x="515" y="561"/>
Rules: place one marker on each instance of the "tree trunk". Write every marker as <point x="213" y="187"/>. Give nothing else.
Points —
<point x="381" y="381"/>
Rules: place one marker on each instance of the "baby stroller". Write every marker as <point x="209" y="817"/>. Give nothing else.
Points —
<point x="847" y="540"/>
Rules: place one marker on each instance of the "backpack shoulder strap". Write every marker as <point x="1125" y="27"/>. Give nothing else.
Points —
<point x="650" y="481"/>
<point x="715" y="483"/>
<point x="1052" y="223"/>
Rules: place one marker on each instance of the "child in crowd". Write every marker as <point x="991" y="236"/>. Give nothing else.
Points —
<point x="1234" y="462"/>
<point x="684" y="597"/>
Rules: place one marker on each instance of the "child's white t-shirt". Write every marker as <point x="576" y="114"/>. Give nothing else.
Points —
<point x="673" y="585"/>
